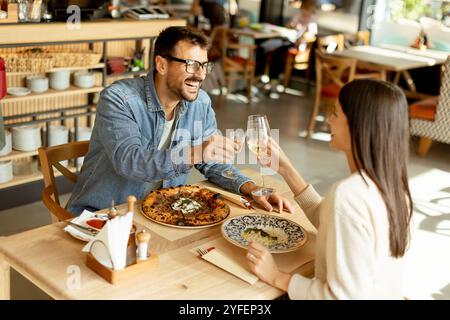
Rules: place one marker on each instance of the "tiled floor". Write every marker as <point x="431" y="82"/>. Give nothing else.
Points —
<point x="428" y="277"/>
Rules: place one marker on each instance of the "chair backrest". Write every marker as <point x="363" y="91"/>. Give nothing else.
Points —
<point x="329" y="44"/>
<point x="363" y="37"/>
<point x="302" y="58"/>
<point x="443" y="106"/>
<point x="217" y="40"/>
<point x="50" y="158"/>
<point x="235" y="56"/>
<point x="333" y="69"/>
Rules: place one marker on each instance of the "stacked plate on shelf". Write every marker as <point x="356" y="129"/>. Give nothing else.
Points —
<point x="8" y="144"/>
<point x="26" y="138"/>
<point x="58" y="135"/>
<point x="6" y="171"/>
<point x="84" y="133"/>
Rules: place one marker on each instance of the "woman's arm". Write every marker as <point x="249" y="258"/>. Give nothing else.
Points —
<point x="305" y="195"/>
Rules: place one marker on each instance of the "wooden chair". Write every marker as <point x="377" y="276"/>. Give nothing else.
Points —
<point x="430" y="118"/>
<point x="50" y="158"/>
<point x="331" y="43"/>
<point x="299" y="59"/>
<point x="332" y="73"/>
<point x="237" y="60"/>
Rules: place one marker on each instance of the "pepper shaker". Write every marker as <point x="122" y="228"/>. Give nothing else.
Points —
<point x="112" y="211"/>
<point x="142" y="239"/>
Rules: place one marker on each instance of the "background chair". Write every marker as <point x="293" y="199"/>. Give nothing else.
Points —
<point x="332" y="73"/>
<point x="237" y="59"/>
<point x="331" y="43"/>
<point x="299" y="59"/>
<point x="50" y="158"/>
<point x="430" y="118"/>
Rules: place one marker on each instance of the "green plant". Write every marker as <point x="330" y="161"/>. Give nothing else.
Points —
<point x="409" y="9"/>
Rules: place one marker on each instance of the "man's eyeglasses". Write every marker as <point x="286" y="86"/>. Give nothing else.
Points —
<point x="192" y="66"/>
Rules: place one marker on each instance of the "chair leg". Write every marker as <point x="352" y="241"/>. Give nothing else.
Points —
<point x="288" y="70"/>
<point x="424" y="146"/>
<point x="229" y="83"/>
<point x="249" y="89"/>
<point x="312" y="120"/>
<point x="308" y="81"/>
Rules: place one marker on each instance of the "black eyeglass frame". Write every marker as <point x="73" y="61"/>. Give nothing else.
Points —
<point x="189" y="63"/>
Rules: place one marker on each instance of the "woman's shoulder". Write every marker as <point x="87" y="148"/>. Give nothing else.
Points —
<point x="356" y="195"/>
<point x="356" y="182"/>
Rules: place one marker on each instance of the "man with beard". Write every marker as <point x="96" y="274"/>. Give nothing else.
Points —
<point x="149" y="132"/>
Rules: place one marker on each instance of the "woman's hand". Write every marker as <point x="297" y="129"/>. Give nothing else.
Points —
<point x="275" y="158"/>
<point x="268" y="202"/>
<point x="263" y="265"/>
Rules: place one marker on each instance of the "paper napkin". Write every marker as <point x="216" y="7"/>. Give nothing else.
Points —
<point x="85" y="215"/>
<point x="218" y="258"/>
<point x="109" y="246"/>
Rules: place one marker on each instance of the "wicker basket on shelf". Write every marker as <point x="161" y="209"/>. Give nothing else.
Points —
<point x="37" y="60"/>
<point x="75" y="59"/>
<point x="20" y="62"/>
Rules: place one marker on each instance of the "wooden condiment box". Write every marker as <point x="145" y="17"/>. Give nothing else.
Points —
<point x="115" y="276"/>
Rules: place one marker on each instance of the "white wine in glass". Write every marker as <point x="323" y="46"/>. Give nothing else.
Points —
<point x="258" y="137"/>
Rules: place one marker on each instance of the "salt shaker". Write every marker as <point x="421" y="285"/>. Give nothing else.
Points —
<point x="142" y="239"/>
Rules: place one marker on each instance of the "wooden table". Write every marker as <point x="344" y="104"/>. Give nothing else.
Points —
<point x="256" y="35"/>
<point x="52" y="260"/>
<point x="397" y="59"/>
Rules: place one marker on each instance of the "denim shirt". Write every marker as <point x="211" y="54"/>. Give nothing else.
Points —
<point x="123" y="157"/>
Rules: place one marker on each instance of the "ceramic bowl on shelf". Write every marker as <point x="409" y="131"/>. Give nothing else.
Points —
<point x="6" y="171"/>
<point x="83" y="79"/>
<point x="84" y="133"/>
<point x="26" y="138"/>
<point x="18" y="91"/>
<point x="57" y="135"/>
<point x="8" y="144"/>
<point x="60" y="80"/>
<point x="37" y="83"/>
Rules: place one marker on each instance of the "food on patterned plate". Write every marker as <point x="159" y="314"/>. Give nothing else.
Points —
<point x="267" y="237"/>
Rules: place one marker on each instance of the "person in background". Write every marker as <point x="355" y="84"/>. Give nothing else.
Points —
<point x="151" y="131"/>
<point x="213" y="10"/>
<point x="305" y="23"/>
<point x="364" y="220"/>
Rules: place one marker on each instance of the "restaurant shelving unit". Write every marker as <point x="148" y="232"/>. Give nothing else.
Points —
<point x="106" y="37"/>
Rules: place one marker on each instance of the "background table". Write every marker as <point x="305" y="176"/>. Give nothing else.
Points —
<point x="397" y="59"/>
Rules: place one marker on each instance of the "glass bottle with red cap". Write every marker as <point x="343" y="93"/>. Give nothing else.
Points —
<point x="2" y="79"/>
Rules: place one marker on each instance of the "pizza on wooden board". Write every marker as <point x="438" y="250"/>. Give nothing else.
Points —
<point x="185" y="206"/>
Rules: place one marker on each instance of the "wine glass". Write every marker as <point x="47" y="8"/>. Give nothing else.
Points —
<point x="238" y="137"/>
<point x="258" y="139"/>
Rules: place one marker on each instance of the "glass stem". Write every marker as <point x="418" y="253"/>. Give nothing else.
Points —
<point x="262" y="178"/>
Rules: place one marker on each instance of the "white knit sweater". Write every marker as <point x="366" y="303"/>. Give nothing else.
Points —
<point x="353" y="259"/>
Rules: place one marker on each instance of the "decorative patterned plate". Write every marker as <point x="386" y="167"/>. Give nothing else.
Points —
<point x="277" y="234"/>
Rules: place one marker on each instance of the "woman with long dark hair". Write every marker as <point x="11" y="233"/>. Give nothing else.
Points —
<point x="363" y="221"/>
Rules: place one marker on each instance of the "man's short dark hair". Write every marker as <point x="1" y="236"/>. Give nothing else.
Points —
<point x="169" y="37"/>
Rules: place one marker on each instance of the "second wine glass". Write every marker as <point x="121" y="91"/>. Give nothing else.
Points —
<point x="258" y="138"/>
